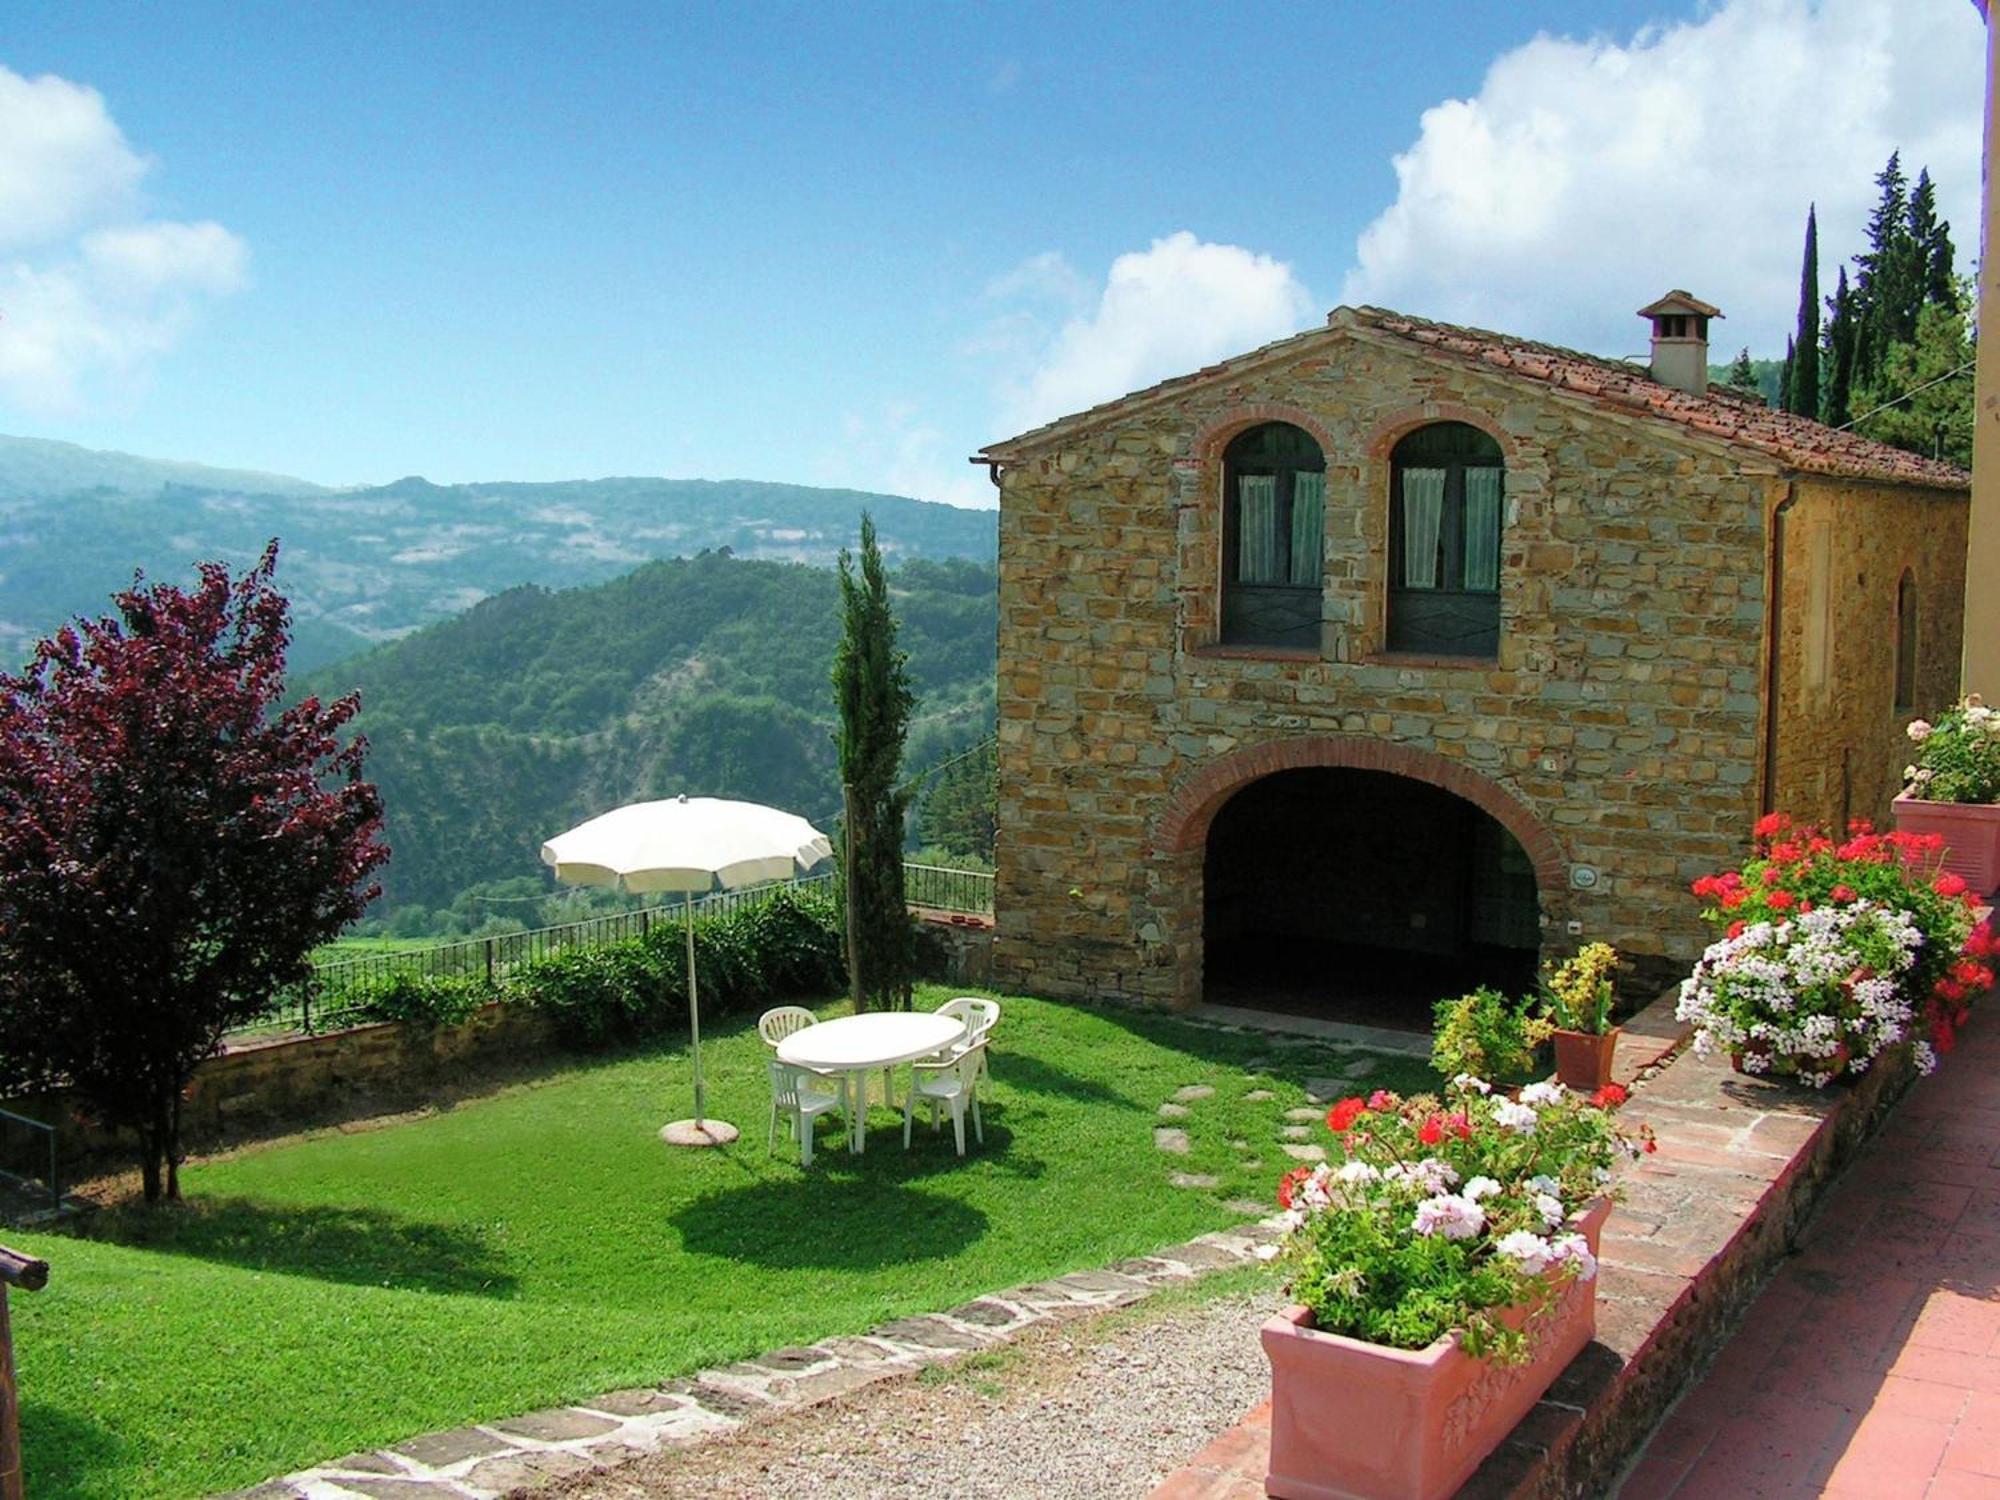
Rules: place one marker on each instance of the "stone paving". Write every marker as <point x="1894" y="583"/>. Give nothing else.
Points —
<point x="488" y="1460"/>
<point x="1870" y="1365"/>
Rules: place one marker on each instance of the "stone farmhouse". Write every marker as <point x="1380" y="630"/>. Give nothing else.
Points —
<point x="1390" y="656"/>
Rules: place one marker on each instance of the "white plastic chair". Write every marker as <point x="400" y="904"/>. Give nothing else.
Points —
<point x="977" y="1016"/>
<point x="953" y="1084"/>
<point x="775" y="1025"/>
<point x="802" y="1096"/>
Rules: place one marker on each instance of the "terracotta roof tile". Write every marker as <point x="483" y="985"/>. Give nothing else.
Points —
<point x="1799" y="442"/>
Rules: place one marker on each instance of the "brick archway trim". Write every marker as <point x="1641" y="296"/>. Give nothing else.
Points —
<point x="1181" y="827"/>
<point x="1214" y="435"/>
<point x="1397" y="425"/>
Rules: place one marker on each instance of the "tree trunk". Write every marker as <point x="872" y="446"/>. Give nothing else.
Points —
<point x="173" y="1145"/>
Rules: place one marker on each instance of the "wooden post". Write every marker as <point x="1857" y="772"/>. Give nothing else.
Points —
<point x="31" y="1275"/>
<point x="847" y="838"/>
<point x="1982" y="560"/>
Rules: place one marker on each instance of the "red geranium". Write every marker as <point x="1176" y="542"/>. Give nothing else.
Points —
<point x="1340" y="1119"/>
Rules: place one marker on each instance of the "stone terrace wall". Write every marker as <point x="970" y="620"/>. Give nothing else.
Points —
<point x="1621" y="719"/>
<point x="1841" y="741"/>
<point x="280" y="1084"/>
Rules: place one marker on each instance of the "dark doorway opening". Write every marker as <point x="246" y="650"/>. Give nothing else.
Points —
<point x="1362" y="896"/>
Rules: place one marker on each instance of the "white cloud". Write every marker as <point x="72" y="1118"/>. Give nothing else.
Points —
<point x="1588" y="177"/>
<point x="91" y="291"/>
<point x="1166" y="310"/>
<point x="896" y="450"/>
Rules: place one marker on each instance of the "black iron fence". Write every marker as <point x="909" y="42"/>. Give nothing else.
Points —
<point x="935" y="888"/>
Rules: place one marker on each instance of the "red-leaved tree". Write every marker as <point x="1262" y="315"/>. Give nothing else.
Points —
<point x="173" y="845"/>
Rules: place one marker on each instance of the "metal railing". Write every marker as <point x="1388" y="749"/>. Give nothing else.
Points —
<point x="935" y="888"/>
<point x="28" y="1154"/>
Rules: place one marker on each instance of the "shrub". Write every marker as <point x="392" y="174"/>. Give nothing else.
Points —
<point x="1486" y="1035"/>
<point x="788" y="944"/>
<point x="1577" y="994"/>
<point x="425" y="999"/>
<point x="1958" y="758"/>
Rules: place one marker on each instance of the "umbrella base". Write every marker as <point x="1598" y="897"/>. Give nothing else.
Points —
<point x="702" y="1133"/>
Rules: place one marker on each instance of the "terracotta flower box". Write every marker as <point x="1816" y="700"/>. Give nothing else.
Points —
<point x="1358" y="1421"/>
<point x="1971" y="834"/>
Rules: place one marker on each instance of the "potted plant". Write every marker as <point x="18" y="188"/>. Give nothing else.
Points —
<point x="1443" y="1269"/>
<point x="1832" y="954"/>
<point x="1953" y="791"/>
<point x="1487" y="1035"/>
<point x="1576" y="999"/>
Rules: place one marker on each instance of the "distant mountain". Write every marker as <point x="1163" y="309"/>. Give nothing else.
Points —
<point x="363" y="566"/>
<point x="494" y="730"/>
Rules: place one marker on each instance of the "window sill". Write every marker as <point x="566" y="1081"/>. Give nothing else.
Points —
<point x="1429" y="659"/>
<point x="1223" y="652"/>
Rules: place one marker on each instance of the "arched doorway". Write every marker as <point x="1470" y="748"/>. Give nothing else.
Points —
<point x="1362" y="895"/>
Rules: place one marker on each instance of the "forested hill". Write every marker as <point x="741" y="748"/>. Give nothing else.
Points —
<point x="535" y="709"/>
<point x="363" y="566"/>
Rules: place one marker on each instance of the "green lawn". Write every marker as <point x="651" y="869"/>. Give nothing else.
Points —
<point x="541" y="1245"/>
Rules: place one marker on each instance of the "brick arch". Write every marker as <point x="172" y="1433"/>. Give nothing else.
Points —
<point x="1214" y="435"/>
<point x="1396" y="426"/>
<point x="1181" y="827"/>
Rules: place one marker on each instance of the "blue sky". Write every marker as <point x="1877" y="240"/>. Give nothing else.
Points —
<point x="850" y="244"/>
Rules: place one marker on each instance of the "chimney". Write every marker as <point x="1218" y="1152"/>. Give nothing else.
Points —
<point x="1680" y="340"/>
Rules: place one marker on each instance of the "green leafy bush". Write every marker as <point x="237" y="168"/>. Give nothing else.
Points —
<point x="1958" y="758"/>
<point x="1488" y="1036"/>
<point x="426" y="999"/>
<point x="786" y="945"/>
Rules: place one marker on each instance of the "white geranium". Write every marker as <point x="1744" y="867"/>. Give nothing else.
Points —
<point x="1519" y="1118"/>
<point x="1545" y="1092"/>
<point x="1481" y="1187"/>
<point x="1575" y="1249"/>
<point x="1919" y="730"/>
<point x="1450" y="1214"/>
<point x="1530" y="1251"/>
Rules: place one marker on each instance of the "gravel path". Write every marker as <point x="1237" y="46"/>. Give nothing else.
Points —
<point x="1099" y="1409"/>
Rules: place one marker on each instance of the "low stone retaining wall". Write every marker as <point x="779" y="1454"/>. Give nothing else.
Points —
<point x="960" y="944"/>
<point x="256" y="1086"/>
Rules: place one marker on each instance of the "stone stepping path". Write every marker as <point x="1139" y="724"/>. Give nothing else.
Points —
<point x="489" y="1460"/>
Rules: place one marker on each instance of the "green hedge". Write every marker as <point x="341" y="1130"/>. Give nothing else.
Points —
<point x="789" y="945"/>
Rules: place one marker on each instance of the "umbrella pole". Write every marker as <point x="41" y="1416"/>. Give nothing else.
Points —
<point x="694" y="1008"/>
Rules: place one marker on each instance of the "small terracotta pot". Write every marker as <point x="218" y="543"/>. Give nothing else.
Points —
<point x="1583" y="1058"/>
<point x="1358" y="1421"/>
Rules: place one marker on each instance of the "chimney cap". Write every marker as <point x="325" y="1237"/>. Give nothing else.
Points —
<point x="1678" y="301"/>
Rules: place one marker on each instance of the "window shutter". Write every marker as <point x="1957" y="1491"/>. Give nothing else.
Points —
<point x="1423" y="513"/>
<point x="1482" y="529"/>
<point x="1308" y="528"/>
<point x="1257" y="529"/>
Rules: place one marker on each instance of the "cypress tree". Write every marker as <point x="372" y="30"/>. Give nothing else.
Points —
<point x="1802" y="388"/>
<point x="1785" y="377"/>
<point x="1931" y="249"/>
<point x="1885" y="301"/>
<point x="875" y="701"/>
<point x="1742" y="376"/>
<point x="1838" y="345"/>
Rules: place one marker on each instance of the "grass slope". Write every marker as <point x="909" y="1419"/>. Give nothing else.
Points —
<point x="349" y="1290"/>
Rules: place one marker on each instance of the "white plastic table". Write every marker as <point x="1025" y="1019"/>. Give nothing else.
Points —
<point x="855" y="1044"/>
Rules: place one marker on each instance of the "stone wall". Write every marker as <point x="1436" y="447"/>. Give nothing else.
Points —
<point x="257" y="1087"/>
<point x="956" y="948"/>
<point x="1841" y="740"/>
<point x="1619" y="728"/>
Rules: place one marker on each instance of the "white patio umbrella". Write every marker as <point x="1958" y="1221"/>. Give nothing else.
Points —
<point x="691" y="845"/>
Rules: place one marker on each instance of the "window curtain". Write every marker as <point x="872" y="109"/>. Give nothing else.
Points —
<point x="1308" y="527"/>
<point x="1257" y="529"/>
<point x="1482" y="529"/>
<point x="1423" y="513"/>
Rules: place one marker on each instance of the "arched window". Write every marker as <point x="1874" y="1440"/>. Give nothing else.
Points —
<point x="1445" y="514"/>
<point x="1906" y="643"/>
<point x="1274" y="514"/>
